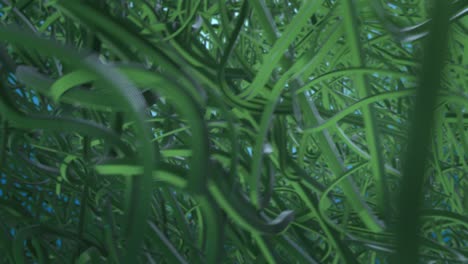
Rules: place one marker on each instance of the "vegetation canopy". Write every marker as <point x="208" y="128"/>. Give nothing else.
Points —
<point x="206" y="131"/>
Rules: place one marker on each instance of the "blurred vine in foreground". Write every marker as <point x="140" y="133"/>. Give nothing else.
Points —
<point x="210" y="131"/>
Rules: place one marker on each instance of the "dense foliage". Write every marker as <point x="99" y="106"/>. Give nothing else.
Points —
<point x="204" y="131"/>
